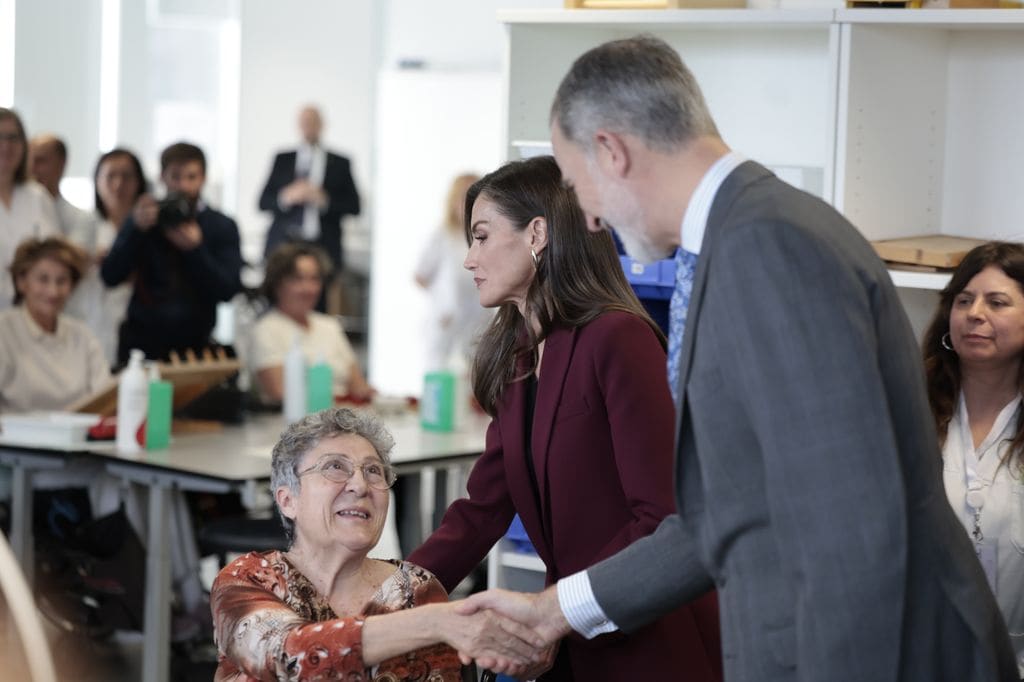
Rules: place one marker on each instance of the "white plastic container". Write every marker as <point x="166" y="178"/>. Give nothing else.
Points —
<point x="132" y="396"/>
<point x="57" y="429"/>
<point x="294" y="382"/>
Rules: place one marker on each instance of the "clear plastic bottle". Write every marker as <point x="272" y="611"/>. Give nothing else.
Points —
<point x="132" y="398"/>
<point x="294" y="382"/>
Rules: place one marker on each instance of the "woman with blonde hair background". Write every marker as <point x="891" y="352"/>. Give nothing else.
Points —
<point x="455" y="318"/>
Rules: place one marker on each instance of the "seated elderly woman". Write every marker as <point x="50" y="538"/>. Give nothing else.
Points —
<point x="295" y="274"/>
<point x="322" y="609"/>
<point x="47" y="359"/>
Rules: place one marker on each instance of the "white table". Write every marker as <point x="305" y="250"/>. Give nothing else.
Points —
<point x="236" y="458"/>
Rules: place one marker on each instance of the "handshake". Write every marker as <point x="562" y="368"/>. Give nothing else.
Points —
<point x="509" y="632"/>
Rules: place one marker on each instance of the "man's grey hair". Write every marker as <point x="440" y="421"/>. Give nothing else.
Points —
<point x="638" y="86"/>
<point x="306" y="434"/>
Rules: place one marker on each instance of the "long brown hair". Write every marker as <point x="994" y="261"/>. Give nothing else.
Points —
<point x="578" y="275"/>
<point x="942" y="366"/>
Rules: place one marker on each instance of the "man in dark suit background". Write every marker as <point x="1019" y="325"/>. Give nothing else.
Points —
<point x="808" y="474"/>
<point x="309" y="192"/>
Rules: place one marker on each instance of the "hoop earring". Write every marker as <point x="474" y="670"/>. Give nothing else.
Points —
<point x="536" y="260"/>
<point x="946" y="341"/>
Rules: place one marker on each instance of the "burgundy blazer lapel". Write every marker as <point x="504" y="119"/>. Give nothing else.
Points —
<point x="554" y="367"/>
<point x="512" y="416"/>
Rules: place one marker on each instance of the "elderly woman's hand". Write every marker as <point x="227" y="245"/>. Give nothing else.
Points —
<point x="488" y="634"/>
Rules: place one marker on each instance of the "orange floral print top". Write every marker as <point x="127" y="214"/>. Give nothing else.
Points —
<point x="271" y="624"/>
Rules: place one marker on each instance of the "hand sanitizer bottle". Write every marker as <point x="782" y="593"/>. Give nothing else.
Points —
<point x="132" y="396"/>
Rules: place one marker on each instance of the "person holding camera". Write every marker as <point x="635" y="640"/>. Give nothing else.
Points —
<point x="185" y="257"/>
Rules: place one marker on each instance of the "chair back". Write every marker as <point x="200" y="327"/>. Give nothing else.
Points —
<point x="25" y="617"/>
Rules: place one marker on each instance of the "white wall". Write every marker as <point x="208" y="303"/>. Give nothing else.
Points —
<point x="450" y="33"/>
<point x="293" y="53"/>
<point x="432" y="126"/>
<point x="56" y="73"/>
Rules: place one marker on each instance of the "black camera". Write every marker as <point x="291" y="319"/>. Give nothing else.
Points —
<point x="174" y="209"/>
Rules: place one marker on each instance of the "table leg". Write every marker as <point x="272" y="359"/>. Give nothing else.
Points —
<point x="428" y="499"/>
<point x="157" y="640"/>
<point x="455" y="485"/>
<point x="21" y="520"/>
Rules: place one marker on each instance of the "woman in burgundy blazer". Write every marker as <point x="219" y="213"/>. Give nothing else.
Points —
<point x="572" y="370"/>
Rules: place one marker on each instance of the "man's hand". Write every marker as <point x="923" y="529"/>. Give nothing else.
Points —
<point x="539" y="612"/>
<point x="542" y="666"/>
<point x="145" y="212"/>
<point x="185" y="237"/>
<point x="507" y="645"/>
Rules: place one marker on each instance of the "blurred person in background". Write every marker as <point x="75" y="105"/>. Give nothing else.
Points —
<point x="294" y="280"/>
<point x="309" y="192"/>
<point x="185" y="258"/>
<point x="455" y="317"/>
<point x="26" y="210"/>
<point x="118" y="183"/>
<point x="47" y="359"/>
<point x="48" y="156"/>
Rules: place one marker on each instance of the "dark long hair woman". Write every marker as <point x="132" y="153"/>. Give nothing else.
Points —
<point x="974" y="362"/>
<point x="576" y="274"/>
<point x="580" y="445"/>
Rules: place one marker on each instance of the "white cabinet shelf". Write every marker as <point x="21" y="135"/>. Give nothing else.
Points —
<point x="514" y="570"/>
<point x="911" y="115"/>
<point x="920" y="280"/>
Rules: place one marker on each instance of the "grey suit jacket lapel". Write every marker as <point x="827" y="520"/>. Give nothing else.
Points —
<point x="730" y="190"/>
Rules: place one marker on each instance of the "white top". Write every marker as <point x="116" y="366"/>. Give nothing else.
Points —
<point x="100" y="307"/>
<point x="324" y="338"/>
<point x="311" y="162"/>
<point x="455" y="318"/>
<point x="77" y="225"/>
<point x="43" y="371"/>
<point x="575" y="594"/>
<point x="32" y="214"/>
<point x="1000" y="490"/>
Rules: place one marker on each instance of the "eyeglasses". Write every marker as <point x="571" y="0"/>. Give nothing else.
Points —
<point x="338" y="469"/>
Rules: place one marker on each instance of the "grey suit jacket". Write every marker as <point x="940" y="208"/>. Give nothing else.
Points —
<point x="808" y="471"/>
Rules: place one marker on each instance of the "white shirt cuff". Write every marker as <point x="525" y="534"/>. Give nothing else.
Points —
<point x="578" y="603"/>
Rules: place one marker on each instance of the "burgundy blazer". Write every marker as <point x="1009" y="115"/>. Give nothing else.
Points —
<point x="603" y="453"/>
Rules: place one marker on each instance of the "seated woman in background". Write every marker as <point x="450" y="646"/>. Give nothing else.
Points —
<point x="973" y="351"/>
<point x="47" y="360"/>
<point x="26" y="208"/>
<point x="119" y="182"/>
<point x="323" y="610"/>
<point x="294" y="277"/>
<point x="572" y="372"/>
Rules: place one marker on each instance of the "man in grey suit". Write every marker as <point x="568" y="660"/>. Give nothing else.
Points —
<point x="809" y="489"/>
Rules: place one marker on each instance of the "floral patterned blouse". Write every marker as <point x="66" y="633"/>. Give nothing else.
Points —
<point x="271" y="624"/>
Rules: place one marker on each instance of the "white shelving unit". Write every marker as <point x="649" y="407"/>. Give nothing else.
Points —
<point x="514" y="570"/>
<point x="911" y="116"/>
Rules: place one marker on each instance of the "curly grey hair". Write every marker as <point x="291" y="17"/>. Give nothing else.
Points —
<point x="305" y="434"/>
<point x="638" y="85"/>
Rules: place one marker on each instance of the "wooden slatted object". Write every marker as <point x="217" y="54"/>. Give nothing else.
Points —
<point x="937" y="251"/>
<point x="191" y="376"/>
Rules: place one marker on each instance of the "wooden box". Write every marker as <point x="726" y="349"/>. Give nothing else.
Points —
<point x="938" y="250"/>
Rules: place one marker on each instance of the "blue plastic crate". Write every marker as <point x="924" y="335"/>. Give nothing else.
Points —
<point x="516" y="534"/>
<point x="654" y="281"/>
